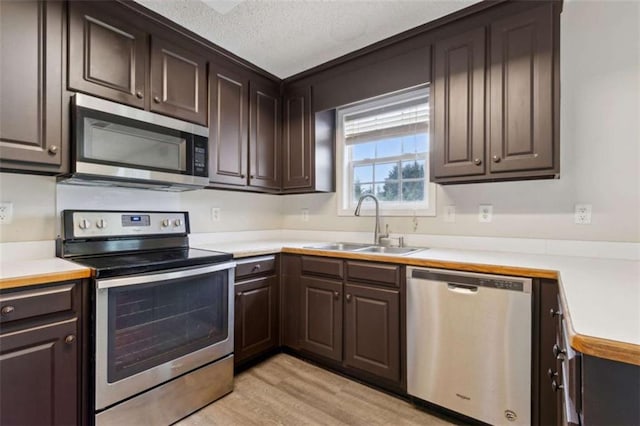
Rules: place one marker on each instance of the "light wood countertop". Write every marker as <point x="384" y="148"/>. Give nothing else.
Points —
<point x="25" y="273"/>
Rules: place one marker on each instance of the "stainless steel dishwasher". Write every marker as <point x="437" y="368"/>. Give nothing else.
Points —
<point x="469" y="343"/>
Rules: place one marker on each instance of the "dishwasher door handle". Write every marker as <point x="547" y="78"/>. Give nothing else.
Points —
<point x="461" y="288"/>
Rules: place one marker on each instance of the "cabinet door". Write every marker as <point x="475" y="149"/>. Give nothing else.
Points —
<point x="228" y="128"/>
<point x="31" y="85"/>
<point x="521" y="92"/>
<point x="256" y="317"/>
<point x="39" y="375"/>
<point x="297" y="140"/>
<point x="321" y="309"/>
<point x="372" y="330"/>
<point x="178" y="82"/>
<point x="107" y="54"/>
<point x="264" y="136"/>
<point x="458" y="105"/>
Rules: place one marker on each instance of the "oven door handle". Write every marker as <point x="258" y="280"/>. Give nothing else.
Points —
<point x="145" y="279"/>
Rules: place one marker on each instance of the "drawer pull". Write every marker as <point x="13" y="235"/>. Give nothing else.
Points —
<point x="552" y="374"/>
<point x="7" y="310"/>
<point x="348" y="297"/>
<point x="555" y="313"/>
<point x="70" y="339"/>
<point x="555" y="386"/>
<point x="336" y="295"/>
<point x="256" y="268"/>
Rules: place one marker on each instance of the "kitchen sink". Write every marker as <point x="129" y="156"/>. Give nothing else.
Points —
<point x="366" y="248"/>
<point x="389" y="250"/>
<point x="340" y="246"/>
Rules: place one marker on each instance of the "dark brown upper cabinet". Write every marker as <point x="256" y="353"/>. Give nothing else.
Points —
<point x="297" y="140"/>
<point x="264" y="136"/>
<point x="108" y="54"/>
<point x="228" y="126"/>
<point x="458" y="105"/>
<point x="114" y="57"/>
<point x="178" y="81"/>
<point x="31" y="81"/>
<point x="518" y="87"/>
<point x="522" y="85"/>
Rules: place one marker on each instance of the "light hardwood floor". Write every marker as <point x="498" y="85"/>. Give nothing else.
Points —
<point x="284" y="390"/>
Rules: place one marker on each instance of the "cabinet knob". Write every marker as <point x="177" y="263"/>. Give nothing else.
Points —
<point x="348" y="297"/>
<point x="53" y="150"/>
<point x="139" y="94"/>
<point x="70" y="339"/>
<point x="242" y="176"/>
<point x="256" y="268"/>
<point x="7" y="310"/>
<point x="252" y="177"/>
<point x="156" y="99"/>
<point x="496" y="159"/>
<point x="306" y="178"/>
<point x="477" y="161"/>
<point x="238" y="294"/>
<point x="555" y="386"/>
<point x="552" y="374"/>
<point x="336" y="295"/>
<point x="554" y="313"/>
<point x="559" y="353"/>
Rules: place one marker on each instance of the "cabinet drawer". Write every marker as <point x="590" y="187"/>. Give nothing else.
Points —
<point x="374" y="273"/>
<point x="32" y="303"/>
<point x="323" y="266"/>
<point x="255" y="266"/>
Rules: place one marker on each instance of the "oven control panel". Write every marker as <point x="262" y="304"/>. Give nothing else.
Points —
<point x="108" y="224"/>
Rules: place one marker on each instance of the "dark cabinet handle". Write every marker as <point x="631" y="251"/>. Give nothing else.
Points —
<point x="555" y="386"/>
<point x="156" y="99"/>
<point x="251" y="177"/>
<point x="306" y="178"/>
<point x="348" y="297"/>
<point x="559" y="353"/>
<point x="53" y="149"/>
<point x="242" y="176"/>
<point x="477" y="161"/>
<point x="139" y="94"/>
<point x="238" y="294"/>
<point x="70" y="339"/>
<point x="554" y="313"/>
<point x="336" y="295"/>
<point x="552" y="374"/>
<point x="7" y="310"/>
<point x="496" y="159"/>
<point x="256" y="268"/>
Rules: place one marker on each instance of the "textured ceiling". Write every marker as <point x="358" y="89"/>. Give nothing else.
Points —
<point x="286" y="37"/>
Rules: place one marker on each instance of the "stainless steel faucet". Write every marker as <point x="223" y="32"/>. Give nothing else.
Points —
<point x="376" y="231"/>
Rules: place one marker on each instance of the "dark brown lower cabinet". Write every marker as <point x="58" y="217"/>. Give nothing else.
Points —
<point x="41" y="356"/>
<point x="256" y="318"/>
<point x="372" y="330"/>
<point x="321" y="317"/>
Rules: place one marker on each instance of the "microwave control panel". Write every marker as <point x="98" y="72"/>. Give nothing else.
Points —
<point x="91" y="224"/>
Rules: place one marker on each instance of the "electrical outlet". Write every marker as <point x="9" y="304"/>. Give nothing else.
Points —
<point x="215" y="214"/>
<point x="582" y="214"/>
<point x="305" y="215"/>
<point x="450" y="214"/>
<point x="6" y="213"/>
<point x="485" y="213"/>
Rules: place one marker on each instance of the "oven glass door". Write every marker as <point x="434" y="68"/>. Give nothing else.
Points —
<point x="151" y="328"/>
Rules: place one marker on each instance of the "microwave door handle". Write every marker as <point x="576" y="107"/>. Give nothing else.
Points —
<point x="145" y="279"/>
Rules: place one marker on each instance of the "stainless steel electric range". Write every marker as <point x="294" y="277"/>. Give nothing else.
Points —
<point x="162" y="320"/>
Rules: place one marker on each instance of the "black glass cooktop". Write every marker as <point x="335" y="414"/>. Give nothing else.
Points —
<point x="149" y="261"/>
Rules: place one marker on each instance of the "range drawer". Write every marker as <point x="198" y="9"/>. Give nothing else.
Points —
<point x="255" y="266"/>
<point x="312" y="265"/>
<point x="378" y="273"/>
<point x="24" y="304"/>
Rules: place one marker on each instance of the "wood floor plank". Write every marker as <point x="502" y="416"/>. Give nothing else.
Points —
<point x="285" y="390"/>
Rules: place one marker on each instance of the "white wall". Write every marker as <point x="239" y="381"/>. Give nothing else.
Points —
<point x="600" y="163"/>
<point x="600" y="149"/>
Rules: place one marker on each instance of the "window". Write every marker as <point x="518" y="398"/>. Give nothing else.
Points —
<point x="383" y="150"/>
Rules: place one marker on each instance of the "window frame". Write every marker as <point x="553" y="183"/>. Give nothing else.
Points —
<point x="344" y="165"/>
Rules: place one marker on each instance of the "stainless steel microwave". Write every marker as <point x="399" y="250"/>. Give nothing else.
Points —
<point x="117" y="145"/>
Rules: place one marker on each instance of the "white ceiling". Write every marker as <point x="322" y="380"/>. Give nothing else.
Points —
<point x="286" y="37"/>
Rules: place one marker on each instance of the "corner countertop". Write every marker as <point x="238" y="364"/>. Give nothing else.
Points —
<point x="600" y="297"/>
<point x="22" y="273"/>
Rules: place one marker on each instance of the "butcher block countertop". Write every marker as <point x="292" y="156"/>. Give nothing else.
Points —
<point x="22" y="273"/>
<point x="600" y="297"/>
